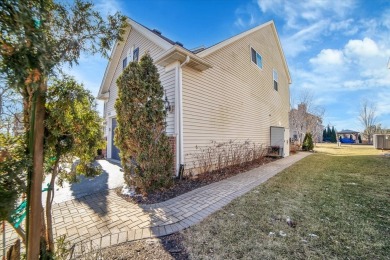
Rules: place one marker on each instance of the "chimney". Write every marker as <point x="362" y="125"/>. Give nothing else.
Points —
<point x="156" y="31"/>
<point x="302" y="106"/>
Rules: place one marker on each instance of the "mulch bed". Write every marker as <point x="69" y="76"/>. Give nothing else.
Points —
<point x="164" y="248"/>
<point x="188" y="184"/>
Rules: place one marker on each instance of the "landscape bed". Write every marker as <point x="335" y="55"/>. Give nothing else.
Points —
<point x="189" y="183"/>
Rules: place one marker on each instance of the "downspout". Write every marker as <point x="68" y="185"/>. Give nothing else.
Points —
<point x="180" y="96"/>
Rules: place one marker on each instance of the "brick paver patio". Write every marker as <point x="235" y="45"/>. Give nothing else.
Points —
<point x="104" y="219"/>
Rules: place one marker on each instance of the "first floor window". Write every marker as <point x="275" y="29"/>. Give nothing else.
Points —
<point x="275" y="76"/>
<point x="256" y="58"/>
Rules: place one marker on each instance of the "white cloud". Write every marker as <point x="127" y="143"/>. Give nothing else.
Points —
<point x="328" y="57"/>
<point x="353" y="84"/>
<point x="239" y="22"/>
<point x="108" y="7"/>
<point x="362" y="48"/>
<point x="271" y="5"/>
<point x="386" y="19"/>
<point x="347" y="27"/>
<point x="300" y="41"/>
<point x="246" y="17"/>
<point x="298" y="13"/>
<point x="359" y="65"/>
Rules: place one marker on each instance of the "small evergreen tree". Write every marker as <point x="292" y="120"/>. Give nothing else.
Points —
<point x="145" y="151"/>
<point x="360" y="139"/>
<point x="333" y="137"/>
<point x="308" y="142"/>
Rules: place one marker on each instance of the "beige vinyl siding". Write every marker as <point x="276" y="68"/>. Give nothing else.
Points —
<point x="235" y="100"/>
<point x="167" y="79"/>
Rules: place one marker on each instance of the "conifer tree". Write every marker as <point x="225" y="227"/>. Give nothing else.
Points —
<point x="308" y="142"/>
<point x="328" y="134"/>
<point x="324" y="133"/>
<point x="145" y="151"/>
<point x="333" y="136"/>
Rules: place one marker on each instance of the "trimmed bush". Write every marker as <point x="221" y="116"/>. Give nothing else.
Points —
<point x="308" y="142"/>
<point x="145" y="151"/>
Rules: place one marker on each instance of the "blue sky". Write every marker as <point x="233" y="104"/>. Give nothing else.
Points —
<point x="336" y="49"/>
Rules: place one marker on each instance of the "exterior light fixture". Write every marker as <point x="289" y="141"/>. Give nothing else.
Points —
<point x="167" y="104"/>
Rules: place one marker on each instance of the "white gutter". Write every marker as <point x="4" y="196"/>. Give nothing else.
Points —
<point x="180" y="108"/>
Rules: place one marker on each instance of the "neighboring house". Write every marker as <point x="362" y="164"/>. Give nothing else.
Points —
<point x="302" y="122"/>
<point x="237" y="89"/>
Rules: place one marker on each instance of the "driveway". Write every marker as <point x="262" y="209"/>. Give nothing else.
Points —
<point x="111" y="178"/>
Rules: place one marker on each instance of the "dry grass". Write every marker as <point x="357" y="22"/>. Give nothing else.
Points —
<point x="340" y="205"/>
<point x="346" y="149"/>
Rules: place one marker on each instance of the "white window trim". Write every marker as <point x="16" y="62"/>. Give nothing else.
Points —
<point x="130" y="53"/>
<point x="250" y="56"/>
<point x="273" y="79"/>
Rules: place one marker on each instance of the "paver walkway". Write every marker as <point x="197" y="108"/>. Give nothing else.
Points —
<point x="110" y="178"/>
<point x="104" y="219"/>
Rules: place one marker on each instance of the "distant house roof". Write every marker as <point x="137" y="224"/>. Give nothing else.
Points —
<point x="347" y="131"/>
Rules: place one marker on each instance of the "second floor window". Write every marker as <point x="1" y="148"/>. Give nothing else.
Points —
<point x="275" y="76"/>
<point x="256" y="58"/>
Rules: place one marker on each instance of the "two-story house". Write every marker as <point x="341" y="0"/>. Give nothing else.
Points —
<point x="237" y="89"/>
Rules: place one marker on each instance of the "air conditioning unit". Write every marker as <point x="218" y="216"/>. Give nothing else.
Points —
<point x="382" y="141"/>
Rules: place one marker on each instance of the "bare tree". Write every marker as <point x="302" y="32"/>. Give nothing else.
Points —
<point x="379" y="129"/>
<point x="367" y="117"/>
<point x="10" y="106"/>
<point x="306" y="117"/>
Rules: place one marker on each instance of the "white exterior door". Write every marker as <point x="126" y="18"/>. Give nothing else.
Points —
<point x="280" y="137"/>
<point x="277" y="138"/>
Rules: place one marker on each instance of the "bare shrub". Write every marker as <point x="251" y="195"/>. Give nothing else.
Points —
<point x="221" y="155"/>
<point x="294" y="148"/>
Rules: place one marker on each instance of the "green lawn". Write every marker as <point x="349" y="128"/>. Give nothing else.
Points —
<point x="339" y="198"/>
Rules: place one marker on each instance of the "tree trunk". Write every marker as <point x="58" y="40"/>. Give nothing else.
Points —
<point x="49" y="201"/>
<point x="35" y="207"/>
<point x="14" y="251"/>
<point x="43" y="247"/>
